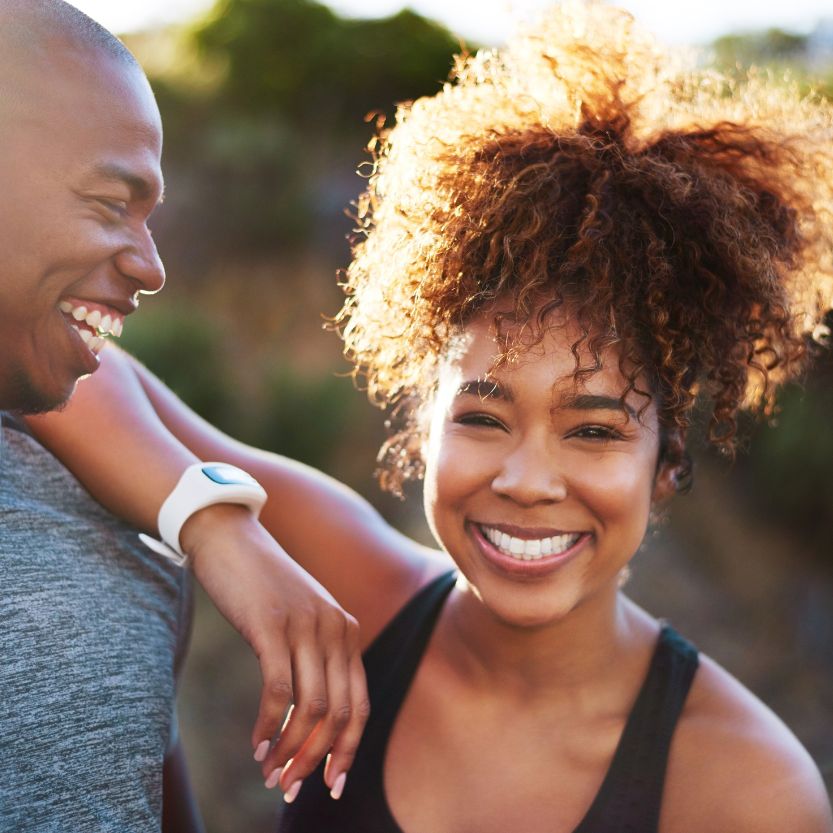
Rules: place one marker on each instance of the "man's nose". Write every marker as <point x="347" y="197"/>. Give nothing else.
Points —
<point x="140" y="262"/>
<point x="529" y="474"/>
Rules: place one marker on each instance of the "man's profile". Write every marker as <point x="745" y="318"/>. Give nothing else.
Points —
<point x="92" y="625"/>
<point x="81" y="142"/>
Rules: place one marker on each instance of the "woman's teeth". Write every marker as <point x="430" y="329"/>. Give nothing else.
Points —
<point x="100" y="326"/>
<point x="527" y="549"/>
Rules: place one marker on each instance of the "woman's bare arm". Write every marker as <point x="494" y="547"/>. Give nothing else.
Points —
<point x="128" y="439"/>
<point x="151" y="436"/>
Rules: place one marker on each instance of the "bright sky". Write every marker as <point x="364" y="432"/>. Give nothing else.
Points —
<point x="675" y="21"/>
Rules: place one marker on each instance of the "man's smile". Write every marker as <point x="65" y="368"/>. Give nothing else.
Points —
<point x="93" y="321"/>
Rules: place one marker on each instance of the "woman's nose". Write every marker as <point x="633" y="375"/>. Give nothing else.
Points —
<point x="530" y="474"/>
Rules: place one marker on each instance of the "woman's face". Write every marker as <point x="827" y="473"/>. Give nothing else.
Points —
<point x="539" y="489"/>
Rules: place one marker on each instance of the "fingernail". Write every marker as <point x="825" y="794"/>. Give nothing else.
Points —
<point x="260" y="752"/>
<point x="338" y="787"/>
<point x="272" y="781"/>
<point x="292" y="793"/>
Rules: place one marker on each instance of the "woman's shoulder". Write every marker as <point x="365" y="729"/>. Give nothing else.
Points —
<point x="734" y="765"/>
<point x="407" y="572"/>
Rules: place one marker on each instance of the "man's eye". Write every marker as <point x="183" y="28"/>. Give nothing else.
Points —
<point x="114" y="206"/>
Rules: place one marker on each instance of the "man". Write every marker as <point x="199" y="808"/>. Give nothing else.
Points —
<point x="94" y="623"/>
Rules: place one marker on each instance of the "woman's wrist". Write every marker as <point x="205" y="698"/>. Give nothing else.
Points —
<point x="213" y="523"/>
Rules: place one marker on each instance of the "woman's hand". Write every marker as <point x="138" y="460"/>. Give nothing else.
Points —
<point x="307" y="646"/>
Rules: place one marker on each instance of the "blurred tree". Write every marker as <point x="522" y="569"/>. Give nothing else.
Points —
<point x="759" y="48"/>
<point x="299" y="59"/>
<point x="264" y="115"/>
<point x="773" y="49"/>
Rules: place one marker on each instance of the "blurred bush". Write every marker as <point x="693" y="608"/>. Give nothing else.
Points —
<point x="786" y="474"/>
<point x="807" y="58"/>
<point x="181" y="346"/>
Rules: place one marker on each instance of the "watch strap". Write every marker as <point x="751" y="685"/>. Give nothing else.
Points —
<point x="201" y="485"/>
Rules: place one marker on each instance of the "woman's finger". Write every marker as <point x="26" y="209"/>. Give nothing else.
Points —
<point x="275" y="697"/>
<point x="311" y="705"/>
<point x="344" y="749"/>
<point x="330" y="726"/>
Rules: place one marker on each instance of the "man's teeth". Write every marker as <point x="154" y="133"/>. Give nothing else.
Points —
<point x="104" y="325"/>
<point x="95" y="343"/>
<point x="530" y="549"/>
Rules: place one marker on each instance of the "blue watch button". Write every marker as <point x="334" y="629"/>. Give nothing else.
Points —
<point x="228" y="475"/>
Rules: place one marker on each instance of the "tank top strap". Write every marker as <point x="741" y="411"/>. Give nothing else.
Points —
<point x="390" y="664"/>
<point x="630" y="798"/>
<point x="394" y="656"/>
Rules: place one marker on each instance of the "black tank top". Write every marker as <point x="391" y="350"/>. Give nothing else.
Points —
<point x="630" y="796"/>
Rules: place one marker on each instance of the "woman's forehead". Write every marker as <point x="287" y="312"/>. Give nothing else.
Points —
<point x="551" y="351"/>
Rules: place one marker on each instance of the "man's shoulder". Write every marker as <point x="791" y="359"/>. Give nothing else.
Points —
<point x="9" y="420"/>
<point x="35" y="485"/>
<point x="735" y="766"/>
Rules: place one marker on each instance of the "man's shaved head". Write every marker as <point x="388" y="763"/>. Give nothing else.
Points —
<point x="32" y="23"/>
<point x="42" y="44"/>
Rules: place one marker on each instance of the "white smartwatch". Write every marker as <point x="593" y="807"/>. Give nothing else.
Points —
<point x="201" y="485"/>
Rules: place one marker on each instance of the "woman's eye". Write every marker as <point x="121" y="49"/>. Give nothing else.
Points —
<point x="596" y="432"/>
<point x="481" y="420"/>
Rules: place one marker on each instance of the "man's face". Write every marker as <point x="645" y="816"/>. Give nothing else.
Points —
<point x="79" y="176"/>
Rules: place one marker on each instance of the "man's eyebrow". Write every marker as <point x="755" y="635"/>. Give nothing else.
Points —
<point x="485" y="389"/>
<point x="141" y="187"/>
<point x="594" y="402"/>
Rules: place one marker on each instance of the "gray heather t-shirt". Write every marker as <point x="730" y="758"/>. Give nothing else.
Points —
<point x="92" y="625"/>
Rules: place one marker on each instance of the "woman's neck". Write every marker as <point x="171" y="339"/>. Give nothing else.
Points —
<point x="605" y="638"/>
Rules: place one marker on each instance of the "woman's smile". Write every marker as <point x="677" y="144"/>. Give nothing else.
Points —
<point x="527" y="557"/>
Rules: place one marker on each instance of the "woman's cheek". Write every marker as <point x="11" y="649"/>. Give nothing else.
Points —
<point x="618" y="486"/>
<point x="440" y="489"/>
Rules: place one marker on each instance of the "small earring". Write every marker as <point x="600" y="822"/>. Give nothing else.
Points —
<point x="624" y="575"/>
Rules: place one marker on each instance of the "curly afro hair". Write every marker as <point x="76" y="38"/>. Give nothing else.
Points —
<point x="681" y="215"/>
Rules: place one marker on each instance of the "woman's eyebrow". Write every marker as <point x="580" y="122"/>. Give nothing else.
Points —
<point x="594" y="402"/>
<point x="485" y="389"/>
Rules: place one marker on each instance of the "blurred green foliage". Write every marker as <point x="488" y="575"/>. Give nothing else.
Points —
<point x="180" y="345"/>
<point x="269" y="120"/>
<point x="311" y="414"/>
<point x="787" y="471"/>
<point x="759" y="48"/>
<point x="778" y="51"/>
<point x="299" y="59"/>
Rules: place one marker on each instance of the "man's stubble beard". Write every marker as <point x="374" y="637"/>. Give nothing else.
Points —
<point x="23" y="397"/>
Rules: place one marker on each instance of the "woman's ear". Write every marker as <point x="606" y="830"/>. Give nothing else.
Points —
<point x="673" y="468"/>
<point x="665" y="482"/>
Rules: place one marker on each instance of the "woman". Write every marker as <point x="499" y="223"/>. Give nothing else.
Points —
<point x="564" y="250"/>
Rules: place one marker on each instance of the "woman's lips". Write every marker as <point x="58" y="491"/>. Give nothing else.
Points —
<point x="527" y="556"/>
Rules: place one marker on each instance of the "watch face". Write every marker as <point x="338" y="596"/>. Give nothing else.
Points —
<point x="228" y="475"/>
